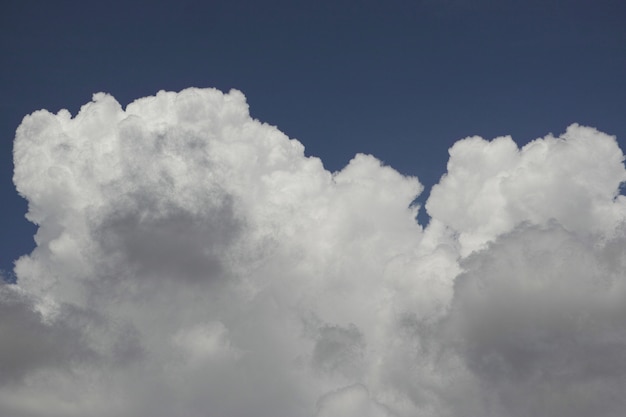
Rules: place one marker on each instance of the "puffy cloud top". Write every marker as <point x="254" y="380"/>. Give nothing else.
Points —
<point x="193" y="261"/>
<point x="573" y="179"/>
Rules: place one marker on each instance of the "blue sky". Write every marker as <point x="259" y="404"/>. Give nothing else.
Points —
<point x="402" y="80"/>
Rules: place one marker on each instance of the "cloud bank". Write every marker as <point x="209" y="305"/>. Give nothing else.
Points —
<point x="192" y="261"/>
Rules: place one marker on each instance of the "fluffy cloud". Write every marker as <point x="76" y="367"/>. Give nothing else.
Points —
<point x="192" y="261"/>
<point x="538" y="321"/>
<point x="491" y="187"/>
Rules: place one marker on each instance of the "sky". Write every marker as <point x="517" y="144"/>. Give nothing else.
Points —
<point x="283" y="208"/>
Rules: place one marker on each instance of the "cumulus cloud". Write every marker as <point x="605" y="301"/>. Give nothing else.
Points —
<point x="491" y="187"/>
<point x="193" y="261"/>
<point x="538" y="319"/>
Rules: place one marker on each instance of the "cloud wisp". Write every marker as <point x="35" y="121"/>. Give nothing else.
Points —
<point x="192" y="261"/>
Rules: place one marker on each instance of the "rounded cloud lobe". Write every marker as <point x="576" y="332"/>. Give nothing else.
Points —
<point x="193" y="261"/>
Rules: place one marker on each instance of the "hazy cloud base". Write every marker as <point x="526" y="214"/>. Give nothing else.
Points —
<point x="191" y="261"/>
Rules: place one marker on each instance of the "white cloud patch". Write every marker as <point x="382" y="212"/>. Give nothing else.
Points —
<point x="192" y="261"/>
<point x="491" y="187"/>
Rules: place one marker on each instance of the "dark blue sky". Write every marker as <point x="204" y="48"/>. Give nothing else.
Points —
<point x="402" y="80"/>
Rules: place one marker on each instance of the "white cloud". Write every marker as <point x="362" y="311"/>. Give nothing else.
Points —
<point x="491" y="187"/>
<point x="192" y="261"/>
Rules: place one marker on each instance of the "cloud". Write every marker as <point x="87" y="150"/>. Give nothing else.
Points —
<point x="191" y="260"/>
<point x="29" y="343"/>
<point x="352" y="401"/>
<point x="491" y="187"/>
<point x="537" y="320"/>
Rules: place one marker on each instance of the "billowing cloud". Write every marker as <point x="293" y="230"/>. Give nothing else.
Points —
<point x="193" y="261"/>
<point x="538" y="320"/>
